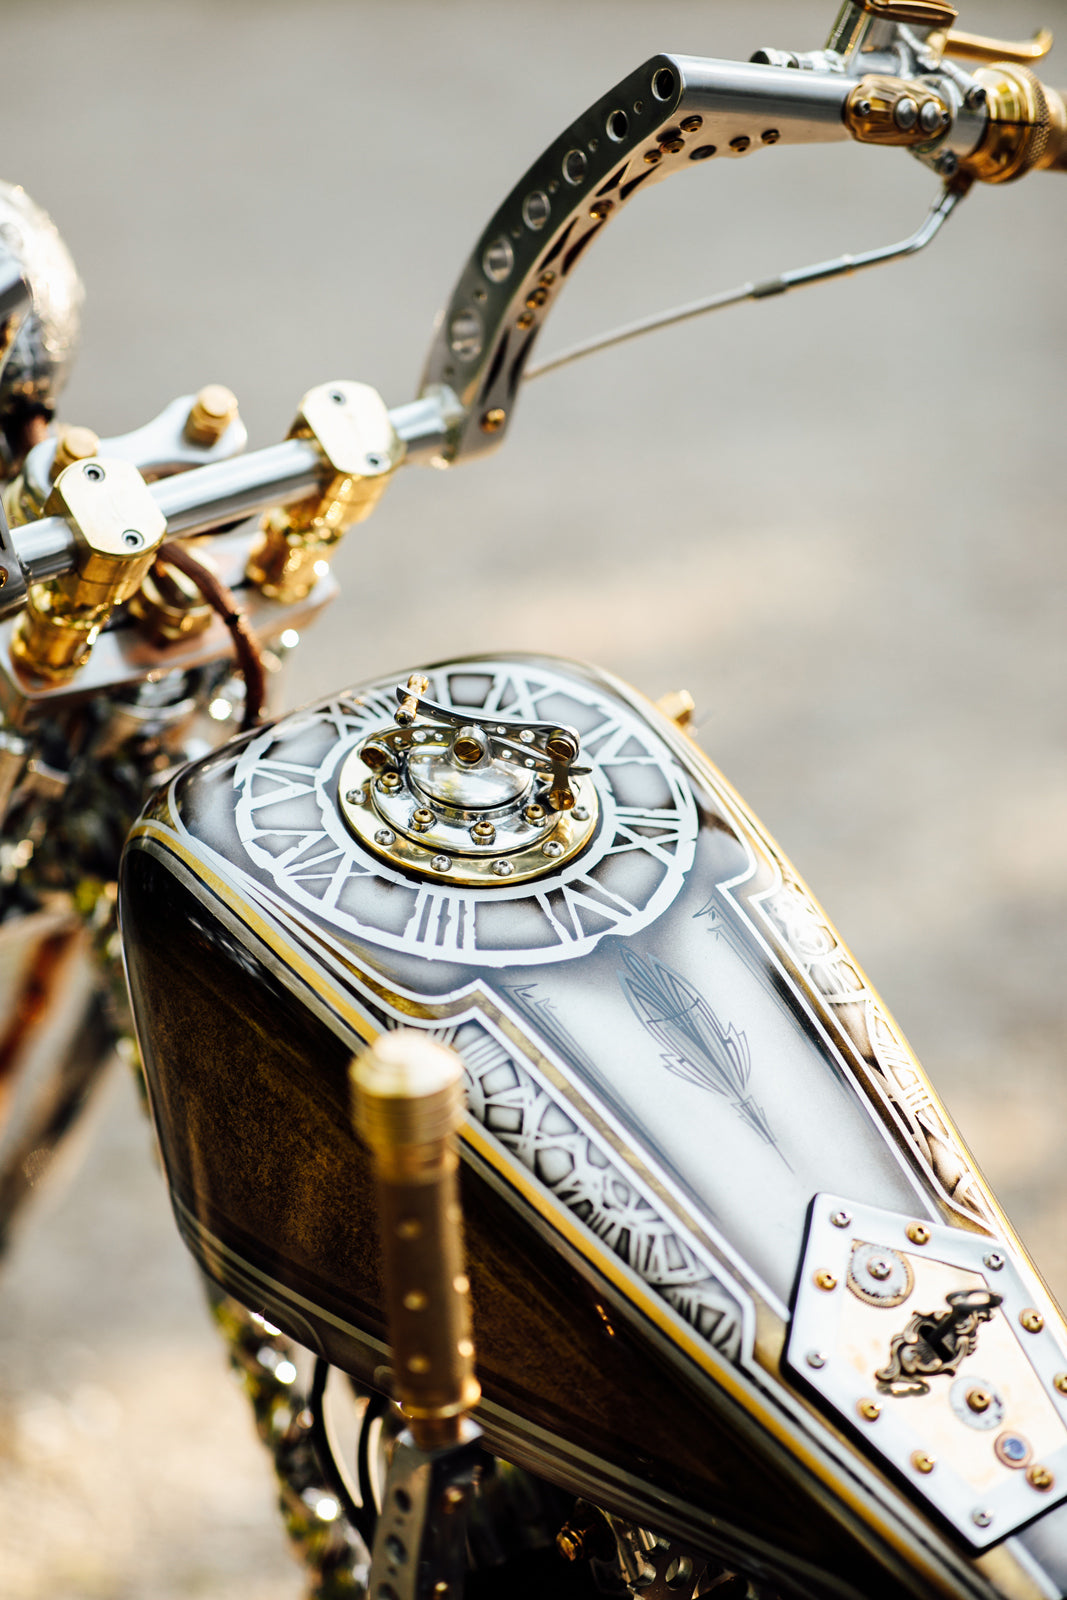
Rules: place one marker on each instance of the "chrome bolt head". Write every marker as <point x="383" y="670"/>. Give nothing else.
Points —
<point x="502" y="868"/>
<point x="385" y="836"/>
<point x="441" y="863"/>
<point x="580" y="813"/>
<point x="993" y="1260"/>
<point x="552" y="848"/>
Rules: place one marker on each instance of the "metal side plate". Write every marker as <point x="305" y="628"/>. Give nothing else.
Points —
<point x="925" y="1342"/>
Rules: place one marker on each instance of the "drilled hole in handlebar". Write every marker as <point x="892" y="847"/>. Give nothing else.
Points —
<point x="618" y="125"/>
<point x="664" y="83"/>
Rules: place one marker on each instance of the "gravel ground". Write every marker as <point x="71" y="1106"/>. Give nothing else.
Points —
<point x="836" y="518"/>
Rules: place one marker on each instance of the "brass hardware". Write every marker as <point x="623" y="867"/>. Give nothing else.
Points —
<point x="692" y="124"/>
<point x="361" y="450"/>
<point x="922" y="1462"/>
<point x="976" y="47"/>
<point x="408" y="708"/>
<point x="408" y="1107"/>
<point x="117" y="528"/>
<point x="1031" y="1320"/>
<point x="825" y="1280"/>
<point x="495" y="418"/>
<point x="979" y="1400"/>
<point x="1060" y="1381"/>
<point x="210" y="414"/>
<point x="1012" y="1450"/>
<point x="389" y="782"/>
<point x="855" y="18"/>
<point x="935" y="1342"/>
<point x="1027" y="125"/>
<point x="841" y="1219"/>
<point x="73" y="444"/>
<point x="892" y="111"/>
<point x="1039" y="1477"/>
<point x="918" y="1233"/>
<point x="169" y="605"/>
<point x="483" y="832"/>
<point x="869" y="1410"/>
<point x="678" y="705"/>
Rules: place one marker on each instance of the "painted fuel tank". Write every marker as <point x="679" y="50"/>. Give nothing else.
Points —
<point x="669" y="1055"/>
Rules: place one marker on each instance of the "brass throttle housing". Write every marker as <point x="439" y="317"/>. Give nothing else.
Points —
<point x="1027" y="127"/>
<point x="361" y="450"/>
<point x="409" y="1104"/>
<point x="117" y="529"/>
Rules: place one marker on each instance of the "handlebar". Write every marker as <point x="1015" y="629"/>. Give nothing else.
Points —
<point x="672" y="113"/>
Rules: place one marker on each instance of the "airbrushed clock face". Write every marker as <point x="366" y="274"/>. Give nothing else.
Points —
<point x="290" y="825"/>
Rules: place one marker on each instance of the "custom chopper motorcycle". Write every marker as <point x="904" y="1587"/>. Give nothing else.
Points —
<point x="745" y="1314"/>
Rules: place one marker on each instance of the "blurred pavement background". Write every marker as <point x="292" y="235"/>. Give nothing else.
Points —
<point x="836" y="518"/>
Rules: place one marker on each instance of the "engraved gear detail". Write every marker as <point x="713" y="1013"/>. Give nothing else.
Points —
<point x="290" y="825"/>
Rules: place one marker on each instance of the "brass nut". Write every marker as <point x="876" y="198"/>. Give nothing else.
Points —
<point x="825" y="1280"/>
<point x="210" y="414"/>
<point x="1060" y="1380"/>
<point x="73" y="444"/>
<point x="922" y="1462"/>
<point x="869" y="1410"/>
<point x="1039" y="1477"/>
<point x="1031" y="1320"/>
<point x="570" y="1543"/>
<point x="918" y="1232"/>
<point x="979" y="1400"/>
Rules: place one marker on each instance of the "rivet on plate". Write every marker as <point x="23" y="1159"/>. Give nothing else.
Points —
<point x="922" y="1462"/>
<point x="918" y="1232"/>
<point x="979" y="1399"/>
<point x="494" y="418"/>
<point x="441" y="863"/>
<point x="1060" y="1381"/>
<point x="580" y="813"/>
<point x="816" y="1359"/>
<point x="993" y="1260"/>
<point x="825" y="1279"/>
<point x="741" y="143"/>
<point x="840" y="1219"/>
<point x="770" y="136"/>
<point x="385" y="836"/>
<point x="552" y="848"/>
<point x="1039" y="1477"/>
<point x="692" y="124"/>
<point x="1031" y="1320"/>
<point x="981" y="1519"/>
<point x="503" y="869"/>
<point x="869" y="1410"/>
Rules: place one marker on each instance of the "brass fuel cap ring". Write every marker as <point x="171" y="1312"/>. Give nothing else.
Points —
<point x="462" y="800"/>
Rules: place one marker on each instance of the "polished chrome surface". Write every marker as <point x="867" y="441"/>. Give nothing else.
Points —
<point x="39" y="363"/>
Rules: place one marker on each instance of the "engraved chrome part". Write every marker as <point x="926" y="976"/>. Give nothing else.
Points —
<point x="1000" y="1405"/>
<point x="880" y="1277"/>
<point x="40" y="358"/>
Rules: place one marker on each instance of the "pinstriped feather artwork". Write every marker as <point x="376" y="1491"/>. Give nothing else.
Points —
<point x="696" y="1045"/>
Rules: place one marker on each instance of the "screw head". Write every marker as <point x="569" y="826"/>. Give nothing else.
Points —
<point x="918" y="1232"/>
<point x="441" y="863"/>
<point x="1039" y="1477"/>
<point x="580" y="813"/>
<point x="979" y="1399"/>
<point x="993" y="1260"/>
<point x="825" y="1279"/>
<point x="552" y="848"/>
<point x="816" y="1359"/>
<point x="502" y="868"/>
<point x="132" y="539"/>
<point x="948" y="164"/>
<point x="422" y="818"/>
<point x="483" y="832"/>
<point x="385" y="836"/>
<point x="981" y="1518"/>
<point x="841" y="1219"/>
<point x="94" y="472"/>
<point x="389" y="782"/>
<point x="869" y="1410"/>
<point x="879" y="1269"/>
<point x="1031" y="1320"/>
<point x="1060" y="1381"/>
<point x="923" y="1462"/>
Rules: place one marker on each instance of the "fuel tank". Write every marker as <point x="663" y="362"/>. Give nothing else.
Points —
<point x="734" y="1274"/>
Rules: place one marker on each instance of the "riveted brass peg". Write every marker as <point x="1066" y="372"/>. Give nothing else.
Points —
<point x="360" y="451"/>
<point x="408" y="1107"/>
<point x="408" y="709"/>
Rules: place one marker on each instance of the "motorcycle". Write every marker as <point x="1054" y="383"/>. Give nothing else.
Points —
<point x="648" y="984"/>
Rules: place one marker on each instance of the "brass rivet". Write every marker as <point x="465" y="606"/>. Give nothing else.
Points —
<point x="918" y="1232"/>
<point x="1060" y="1380"/>
<point x="922" y="1462"/>
<point x="825" y="1279"/>
<point x="741" y="143"/>
<point x="483" y="832"/>
<point x="653" y="157"/>
<point x="415" y="1300"/>
<point x="770" y="136"/>
<point x="389" y="782"/>
<point x="692" y="124"/>
<point x="1039" y="1477"/>
<point x="601" y="209"/>
<point x="671" y="147"/>
<point x="979" y="1399"/>
<point x="536" y="297"/>
<point x="524" y="320"/>
<point x="1031" y="1320"/>
<point x="496" y="416"/>
<point x="869" y="1410"/>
